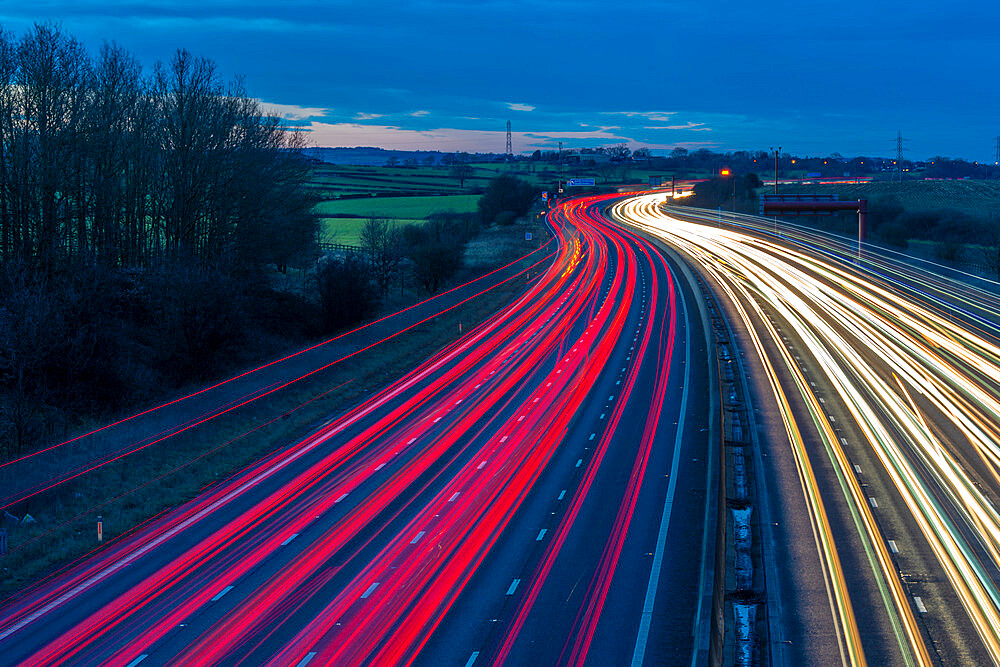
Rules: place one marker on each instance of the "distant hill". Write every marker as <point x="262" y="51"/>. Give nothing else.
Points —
<point x="371" y="156"/>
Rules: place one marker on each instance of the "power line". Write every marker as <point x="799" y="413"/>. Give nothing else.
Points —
<point x="899" y="154"/>
<point x="510" y="150"/>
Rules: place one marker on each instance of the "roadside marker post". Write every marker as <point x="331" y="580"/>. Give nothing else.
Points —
<point x="100" y="529"/>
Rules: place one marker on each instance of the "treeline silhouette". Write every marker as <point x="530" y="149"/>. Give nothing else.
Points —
<point x="142" y="214"/>
<point x="101" y="163"/>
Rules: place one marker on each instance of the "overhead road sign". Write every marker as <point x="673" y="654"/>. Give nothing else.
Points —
<point x="581" y="182"/>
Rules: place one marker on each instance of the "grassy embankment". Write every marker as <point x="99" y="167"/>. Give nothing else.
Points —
<point x="980" y="200"/>
<point x="143" y="485"/>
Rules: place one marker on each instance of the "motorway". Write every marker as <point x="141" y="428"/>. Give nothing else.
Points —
<point x="534" y="493"/>
<point x="878" y="390"/>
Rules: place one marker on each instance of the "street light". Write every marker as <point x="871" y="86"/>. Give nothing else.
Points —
<point x="776" y="151"/>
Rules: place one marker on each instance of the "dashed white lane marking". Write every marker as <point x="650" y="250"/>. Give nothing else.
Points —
<point x="892" y="547"/>
<point x="513" y="586"/>
<point x="561" y="494"/>
<point x="340" y="498"/>
<point x="218" y="596"/>
<point x="288" y="540"/>
<point x="481" y="465"/>
<point x="611" y="397"/>
<point x="843" y="441"/>
<point x="521" y="418"/>
<point x="379" y="467"/>
<point x="602" y="415"/>
<point x="437" y="419"/>
<point x="472" y="659"/>
<point x="872" y="502"/>
<point x="503" y="439"/>
<point x="307" y="659"/>
<point x="579" y="462"/>
<point x="371" y="589"/>
<point x="920" y="604"/>
<point x="137" y="660"/>
<point x="857" y="468"/>
<point x="411" y="441"/>
<point x="592" y="436"/>
<point x="417" y="537"/>
<point x="454" y="495"/>
<point x="541" y="534"/>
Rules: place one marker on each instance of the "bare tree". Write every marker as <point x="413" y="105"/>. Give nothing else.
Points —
<point x="380" y="238"/>
<point x="460" y="172"/>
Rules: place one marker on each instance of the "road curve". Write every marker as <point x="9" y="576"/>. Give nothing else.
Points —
<point x="512" y="499"/>
<point x="884" y="387"/>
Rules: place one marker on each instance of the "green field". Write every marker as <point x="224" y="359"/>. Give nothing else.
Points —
<point x="399" y="207"/>
<point x="404" y="210"/>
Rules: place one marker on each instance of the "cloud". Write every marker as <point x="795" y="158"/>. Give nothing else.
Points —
<point x="451" y="139"/>
<point x="419" y="114"/>
<point x="518" y="106"/>
<point x="654" y="116"/>
<point x="690" y="125"/>
<point x="293" y="111"/>
<point x="367" y="116"/>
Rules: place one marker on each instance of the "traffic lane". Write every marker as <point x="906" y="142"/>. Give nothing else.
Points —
<point x="946" y="628"/>
<point x="554" y="626"/>
<point x="528" y="533"/>
<point x="683" y="435"/>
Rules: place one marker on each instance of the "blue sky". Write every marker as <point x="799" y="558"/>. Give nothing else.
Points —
<point x="812" y="76"/>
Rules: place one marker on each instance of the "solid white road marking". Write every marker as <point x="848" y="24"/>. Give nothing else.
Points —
<point x="639" y="653"/>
